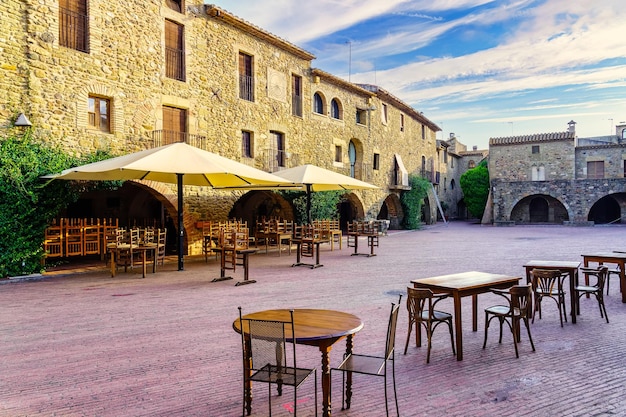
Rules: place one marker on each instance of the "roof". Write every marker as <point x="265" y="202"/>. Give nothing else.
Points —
<point x="340" y="82"/>
<point x="539" y="137"/>
<point x="235" y="21"/>
<point x="390" y="98"/>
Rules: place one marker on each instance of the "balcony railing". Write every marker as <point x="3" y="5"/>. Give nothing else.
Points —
<point x="246" y="87"/>
<point x="73" y="31"/>
<point x="175" y="64"/>
<point x="273" y="160"/>
<point x="165" y="137"/>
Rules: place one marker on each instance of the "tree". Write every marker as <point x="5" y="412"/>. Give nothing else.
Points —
<point x="413" y="200"/>
<point x="475" y="186"/>
<point x="323" y="204"/>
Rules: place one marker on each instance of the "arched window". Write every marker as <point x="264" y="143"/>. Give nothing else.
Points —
<point x="335" y="109"/>
<point x="318" y="103"/>
<point x="471" y="164"/>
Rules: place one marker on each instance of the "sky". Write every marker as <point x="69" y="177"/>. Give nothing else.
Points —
<point x="477" y="68"/>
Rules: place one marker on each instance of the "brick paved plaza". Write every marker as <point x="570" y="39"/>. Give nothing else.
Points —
<point x="85" y="344"/>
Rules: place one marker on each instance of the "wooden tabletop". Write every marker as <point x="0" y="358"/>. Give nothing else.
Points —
<point x="607" y="254"/>
<point x="311" y="324"/>
<point x="464" y="280"/>
<point x="552" y="264"/>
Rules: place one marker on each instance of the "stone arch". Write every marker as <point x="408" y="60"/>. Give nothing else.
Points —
<point x="320" y="105"/>
<point x="350" y="208"/>
<point x="356" y="166"/>
<point x="391" y="210"/>
<point x="608" y="209"/>
<point x="539" y="208"/>
<point x="257" y="204"/>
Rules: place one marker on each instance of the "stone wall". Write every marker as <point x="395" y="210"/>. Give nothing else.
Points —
<point x="125" y="64"/>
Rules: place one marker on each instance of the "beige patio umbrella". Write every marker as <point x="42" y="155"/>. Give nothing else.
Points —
<point x="177" y="163"/>
<point x="313" y="178"/>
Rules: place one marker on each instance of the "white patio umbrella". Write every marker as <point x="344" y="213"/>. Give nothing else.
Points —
<point x="177" y="163"/>
<point x="314" y="178"/>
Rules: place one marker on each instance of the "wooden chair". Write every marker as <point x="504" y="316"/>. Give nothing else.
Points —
<point x="373" y="365"/>
<point x="612" y="271"/>
<point x="74" y="237"/>
<point x="548" y="283"/>
<point x="269" y="348"/>
<point x="53" y="240"/>
<point x="161" y="241"/>
<point x="91" y="236"/>
<point x="516" y="310"/>
<point x="232" y="241"/>
<point x="422" y="313"/>
<point x="597" y="289"/>
<point x="336" y="235"/>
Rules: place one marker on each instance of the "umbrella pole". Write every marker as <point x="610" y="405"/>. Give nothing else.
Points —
<point x="308" y="202"/>
<point x="180" y="221"/>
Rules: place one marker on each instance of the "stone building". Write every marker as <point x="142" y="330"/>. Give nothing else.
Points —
<point x="558" y="178"/>
<point x="125" y="76"/>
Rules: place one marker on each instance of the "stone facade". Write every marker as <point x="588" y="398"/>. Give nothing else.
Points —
<point x="546" y="178"/>
<point x="125" y="64"/>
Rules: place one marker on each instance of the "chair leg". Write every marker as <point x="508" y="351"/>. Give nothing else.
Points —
<point x="408" y="336"/>
<point x="486" y="329"/>
<point x="386" y="401"/>
<point x="429" y="333"/>
<point x="528" y="331"/>
<point x="514" y="327"/>
<point x="451" y="337"/>
<point x="395" y="392"/>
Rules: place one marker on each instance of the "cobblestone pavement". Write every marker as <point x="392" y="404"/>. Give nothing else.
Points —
<point x="85" y="344"/>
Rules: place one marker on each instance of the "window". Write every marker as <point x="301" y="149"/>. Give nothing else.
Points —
<point x="376" y="162"/>
<point x="452" y="184"/>
<point x="176" y="5"/>
<point x="624" y="164"/>
<point x="595" y="170"/>
<point x="384" y="114"/>
<point x="535" y="149"/>
<point x="246" y="144"/>
<point x="452" y="162"/>
<point x="423" y="132"/>
<point x="246" y="77"/>
<point x="99" y="109"/>
<point x="471" y="164"/>
<point x="445" y="156"/>
<point x="278" y="149"/>
<point x="174" y="125"/>
<point x="338" y="154"/>
<point x="335" y="109"/>
<point x="296" y="95"/>
<point x="174" y="51"/>
<point x="402" y="123"/>
<point x="74" y="24"/>
<point x="538" y="173"/>
<point x="361" y="117"/>
<point x="318" y="103"/>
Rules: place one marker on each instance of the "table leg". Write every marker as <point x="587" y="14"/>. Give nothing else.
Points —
<point x="325" y="380"/>
<point x="457" y="326"/>
<point x="475" y="312"/>
<point x="113" y="262"/>
<point x="573" y="280"/>
<point x="348" y="387"/>
<point x="144" y="252"/>
<point x="154" y="261"/>
<point x="622" y="280"/>
<point x="247" y="371"/>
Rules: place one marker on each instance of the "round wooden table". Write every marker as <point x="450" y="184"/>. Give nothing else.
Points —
<point x="313" y="327"/>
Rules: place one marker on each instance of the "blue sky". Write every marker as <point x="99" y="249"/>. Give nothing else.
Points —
<point x="477" y="68"/>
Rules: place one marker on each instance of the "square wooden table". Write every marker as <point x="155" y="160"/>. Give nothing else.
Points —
<point x="461" y="285"/>
<point x="618" y="258"/>
<point x="569" y="267"/>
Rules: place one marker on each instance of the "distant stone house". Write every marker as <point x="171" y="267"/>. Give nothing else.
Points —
<point x="558" y="178"/>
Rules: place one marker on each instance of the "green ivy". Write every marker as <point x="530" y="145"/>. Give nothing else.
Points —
<point x="28" y="203"/>
<point x="323" y="204"/>
<point x="412" y="201"/>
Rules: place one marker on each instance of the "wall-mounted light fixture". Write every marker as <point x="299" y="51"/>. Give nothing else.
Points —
<point x="22" y="121"/>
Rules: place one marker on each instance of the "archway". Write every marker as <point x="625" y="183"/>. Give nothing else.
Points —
<point x="606" y="210"/>
<point x="350" y="209"/>
<point x="391" y="210"/>
<point x="539" y="208"/>
<point x="255" y="205"/>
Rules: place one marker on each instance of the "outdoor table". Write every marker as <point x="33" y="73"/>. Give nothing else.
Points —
<point x="312" y="327"/>
<point x="244" y="258"/>
<point x="571" y="268"/>
<point x="372" y="241"/>
<point x="461" y="285"/>
<point x="144" y="252"/>
<point x="618" y="258"/>
<point x="316" y="254"/>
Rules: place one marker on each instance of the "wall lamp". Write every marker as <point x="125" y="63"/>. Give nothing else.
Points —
<point x="22" y="121"/>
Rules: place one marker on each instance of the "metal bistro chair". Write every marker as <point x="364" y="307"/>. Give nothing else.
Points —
<point x="373" y="365"/>
<point x="265" y="346"/>
<point x="597" y="289"/>
<point x="548" y="283"/>
<point x="517" y="309"/>
<point x="422" y="313"/>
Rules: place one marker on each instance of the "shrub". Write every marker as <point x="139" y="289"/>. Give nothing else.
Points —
<point x="413" y="200"/>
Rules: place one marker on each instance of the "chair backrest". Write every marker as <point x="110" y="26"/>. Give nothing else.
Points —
<point x="544" y="280"/>
<point x="601" y="273"/>
<point x="521" y="296"/>
<point x="391" y="329"/>
<point x="267" y="341"/>
<point x="418" y="300"/>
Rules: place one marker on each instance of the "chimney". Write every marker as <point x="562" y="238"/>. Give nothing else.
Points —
<point x="451" y="135"/>
<point x="571" y="126"/>
<point x="474" y="148"/>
